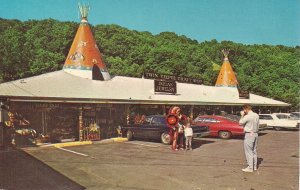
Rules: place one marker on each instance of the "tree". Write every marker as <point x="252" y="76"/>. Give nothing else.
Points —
<point x="34" y="47"/>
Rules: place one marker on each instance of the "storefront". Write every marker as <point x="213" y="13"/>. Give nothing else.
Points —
<point x="83" y="102"/>
<point x="55" y="122"/>
<point x="61" y="122"/>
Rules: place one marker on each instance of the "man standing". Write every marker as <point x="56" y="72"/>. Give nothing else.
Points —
<point x="250" y="122"/>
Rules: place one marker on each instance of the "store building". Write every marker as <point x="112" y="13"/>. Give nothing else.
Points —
<point x="83" y="102"/>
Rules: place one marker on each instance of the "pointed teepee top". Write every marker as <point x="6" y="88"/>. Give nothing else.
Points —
<point x="226" y="76"/>
<point x="84" y="11"/>
<point x="84" y="58"/>
<point x="225" y="53"/>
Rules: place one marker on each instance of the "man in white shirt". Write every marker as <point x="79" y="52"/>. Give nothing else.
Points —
<point x="250" y="122"/>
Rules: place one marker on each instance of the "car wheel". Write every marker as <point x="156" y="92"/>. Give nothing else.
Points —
<point x="129" y="135"/>
<point x="224" y="134"/>
<point x="277" y="128"/>
<point x="166" y="138"/>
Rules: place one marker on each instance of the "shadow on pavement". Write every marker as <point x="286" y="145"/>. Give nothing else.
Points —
<point x="259" y="161"/>
<point x="198" y="143"/>
<point x="20" y="170"/>
<point x="262" y="133"/>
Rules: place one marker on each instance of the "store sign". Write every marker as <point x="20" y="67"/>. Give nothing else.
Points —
<point x="46" y="105"/>
<point x="31" y="105"/>
<point x="172" y="78"/>
<point x="165" y="86"/>
<point x="243" y="94"/>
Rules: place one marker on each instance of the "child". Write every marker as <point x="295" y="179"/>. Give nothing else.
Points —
<point x="188" y="132"/>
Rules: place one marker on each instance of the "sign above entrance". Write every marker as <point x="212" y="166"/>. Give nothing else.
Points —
<point x="172" y="78"/>
<point x="243" y="94"/>
<point x="165" y="86"/>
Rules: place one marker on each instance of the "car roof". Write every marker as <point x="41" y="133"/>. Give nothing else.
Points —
<point x="213" y="116"/>
<point x="272" y="113"/>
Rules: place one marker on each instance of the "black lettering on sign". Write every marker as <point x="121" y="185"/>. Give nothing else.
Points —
<point x="172" y="78"/>
<point x="165" y="86"/>
<point x="243" y="94"/>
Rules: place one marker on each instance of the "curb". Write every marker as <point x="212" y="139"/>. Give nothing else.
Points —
<point x="120" y="139"/>
<point x="111" y="140"/>
<point x="79" y="143"/>
<point x="105" y="141"/>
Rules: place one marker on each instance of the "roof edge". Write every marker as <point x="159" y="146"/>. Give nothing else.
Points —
<point x="122" y="101"/>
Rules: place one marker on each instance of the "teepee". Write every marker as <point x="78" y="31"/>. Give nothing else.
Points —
<point x="84" y="58"/>
<point x="226" y="76"/>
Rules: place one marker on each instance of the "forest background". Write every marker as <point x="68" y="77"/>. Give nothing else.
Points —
<point x="34" y="47"/>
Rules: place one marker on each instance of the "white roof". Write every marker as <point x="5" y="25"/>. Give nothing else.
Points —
<point x="60" y="86"/>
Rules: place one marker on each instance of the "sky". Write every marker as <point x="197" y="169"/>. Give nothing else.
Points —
<point x="272" y="22"/>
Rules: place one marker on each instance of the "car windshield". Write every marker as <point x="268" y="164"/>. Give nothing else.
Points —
<point x="295" y="115"/>
<point x="159" y="121"/>
<point x="282" y="116"/>
<point x="235" y="118"/>
<point x="265" y="117"/>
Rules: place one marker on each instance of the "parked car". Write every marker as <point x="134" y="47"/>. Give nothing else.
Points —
<point x="278" y="121"/>
<point x="237" y="119"/>
<point x="295" y="115"/>
<point x="220" y="126"/>
<point x="155" y="127"/>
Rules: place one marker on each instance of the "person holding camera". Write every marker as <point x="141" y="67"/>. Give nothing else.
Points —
<point x="250" y="121"/>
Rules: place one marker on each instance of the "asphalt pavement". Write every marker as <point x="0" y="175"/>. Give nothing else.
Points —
<point x="139" y="165"/>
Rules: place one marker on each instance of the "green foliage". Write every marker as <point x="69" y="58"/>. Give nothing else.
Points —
<point x="35" y="47"/>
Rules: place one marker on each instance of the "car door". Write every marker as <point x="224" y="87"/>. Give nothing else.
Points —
<point x="213" y="125"/>
<point x="141" y="130"/>
<point x="266" y="119"/>
<point x="158" y="126"/>
<point x="283" y="121"/>
<point x="147" y="129"/>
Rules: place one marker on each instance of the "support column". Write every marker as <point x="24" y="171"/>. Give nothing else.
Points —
<point x="164" y="109"/>
<point x="1" y="124"/>
<point x="192" y="112"/>
<point x="43" y="122"/>
<point x="127" y="111"/>
<point x="80" y="121"/>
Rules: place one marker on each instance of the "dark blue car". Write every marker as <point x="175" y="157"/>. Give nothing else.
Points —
<point x="155" y="127"/>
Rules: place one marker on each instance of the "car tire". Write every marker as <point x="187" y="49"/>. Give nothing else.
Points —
<point x="224" y="134"/>
<point x="129" y="135"/>
<point x="166" y="138"/>
<point x="277" y="128"/>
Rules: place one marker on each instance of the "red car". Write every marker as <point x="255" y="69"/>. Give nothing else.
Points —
<point x="221" y="126"/>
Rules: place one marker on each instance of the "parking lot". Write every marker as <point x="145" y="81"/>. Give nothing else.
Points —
<point x="213" y="164"/>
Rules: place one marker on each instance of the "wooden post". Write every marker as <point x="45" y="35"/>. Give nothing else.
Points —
<point x="192" y="112"/>
<point x="80" y="119"/>
<point x="164" y="109"/>
<point x="127" y="111"/>
<point x="2" y="126"/>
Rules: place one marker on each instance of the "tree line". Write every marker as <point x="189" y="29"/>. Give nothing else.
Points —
<point x="35" y="47"/>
